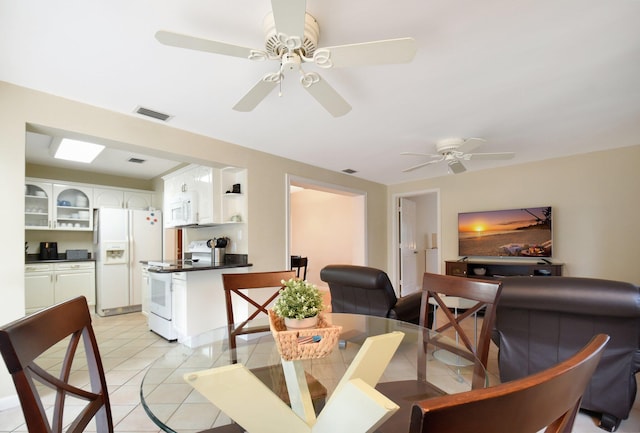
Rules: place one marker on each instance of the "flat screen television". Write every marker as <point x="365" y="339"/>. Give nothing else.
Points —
<point x="522" y="232"/>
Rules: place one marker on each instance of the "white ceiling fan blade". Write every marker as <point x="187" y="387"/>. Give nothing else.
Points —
<point x="415" y="167"/>
<point x="199" y="44"/>
<point x="426" y="155"/>
<point x="497" y="155"/>
<point x="325" y="95"/>
<point x="456" y="166"/>
<point x="368" y="53"/>
<point x="289" y="16"/>
<point x="469" y="144"/>
<point x="256" y="94"/>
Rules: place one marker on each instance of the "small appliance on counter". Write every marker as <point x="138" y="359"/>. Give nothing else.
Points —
<point x="48" y="251"/>
<point x="209" y="251"/>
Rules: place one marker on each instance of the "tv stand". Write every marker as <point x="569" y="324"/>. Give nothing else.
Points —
<point x="499" y="269"/>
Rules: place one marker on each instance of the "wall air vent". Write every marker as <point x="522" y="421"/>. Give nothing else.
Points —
<point x="137" y="160"/>
<point x="151" y="113"/>
<point x="349" y="171"/>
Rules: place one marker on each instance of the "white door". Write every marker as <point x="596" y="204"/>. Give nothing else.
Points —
<point x="408" y="249"/>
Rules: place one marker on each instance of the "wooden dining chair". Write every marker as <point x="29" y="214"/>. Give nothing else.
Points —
<point x="480" y="295"/>
<point x="266" y="286"/>
<point x="24" y="340"/>
<point x="550" y="398"/>
<point x="238" y="288"/>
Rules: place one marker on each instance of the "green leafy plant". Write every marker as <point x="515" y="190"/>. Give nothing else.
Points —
<point x="298" y="300"/>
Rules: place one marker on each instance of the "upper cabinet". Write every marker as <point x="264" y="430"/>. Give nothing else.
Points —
<point x="118" y="198"/>
<point x="50" y="206"/>
<point x="72" y="207"/>
<point x="218" y="194"/>
<point x="38" y="209"/>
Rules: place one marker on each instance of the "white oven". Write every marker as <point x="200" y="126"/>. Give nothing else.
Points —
<point x="160" y="305"/>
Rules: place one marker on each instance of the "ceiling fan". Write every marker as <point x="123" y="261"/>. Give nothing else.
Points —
<point x="455" y="150"/>
<point x="292" y="39"/>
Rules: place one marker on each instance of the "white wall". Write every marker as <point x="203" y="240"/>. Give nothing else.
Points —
<point x="596" y="223"/>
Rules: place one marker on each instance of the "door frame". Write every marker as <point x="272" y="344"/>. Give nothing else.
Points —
<point x="293" y="181"/>
<point x="394" y="245"/>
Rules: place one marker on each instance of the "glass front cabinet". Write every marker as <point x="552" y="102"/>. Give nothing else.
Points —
<point x="51" y="206"/>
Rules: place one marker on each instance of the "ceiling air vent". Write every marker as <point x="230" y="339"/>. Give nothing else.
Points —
<point x="349" y="171"/>
<point x="151" y="113"/>
<point x="137" y="160"/>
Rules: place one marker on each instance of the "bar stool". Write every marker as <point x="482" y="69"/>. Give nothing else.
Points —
<point x="298" y="262"/>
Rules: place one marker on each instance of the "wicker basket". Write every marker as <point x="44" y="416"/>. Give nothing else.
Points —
<point x="289" y="345"/>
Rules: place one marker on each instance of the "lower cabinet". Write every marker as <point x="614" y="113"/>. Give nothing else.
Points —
<point x="198" y="301"/>
<point x="47" y="284"/>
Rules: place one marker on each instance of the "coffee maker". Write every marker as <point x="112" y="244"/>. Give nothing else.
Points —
<point x="48" y="251"/>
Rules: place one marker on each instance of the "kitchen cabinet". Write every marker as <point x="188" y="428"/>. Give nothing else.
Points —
<point x="120" y="198"/>
<point x="198" y="301"/>
<point x="38" y="287"/>
<point x="198" y="181"/>
<point x="38" y="206"/>
<point x="51" y="206"/>
<point x="72" y="207"/>
<point x="213" y="190"/>
<point x="47" y="284"/>
<point x="73" y="279"/>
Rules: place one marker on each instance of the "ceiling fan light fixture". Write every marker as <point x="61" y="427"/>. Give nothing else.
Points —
<point x="277" y="44"/>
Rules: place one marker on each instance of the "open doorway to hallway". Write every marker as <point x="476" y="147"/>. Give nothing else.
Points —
<point x="327" y="224"/>
<point x="416" y="239"/>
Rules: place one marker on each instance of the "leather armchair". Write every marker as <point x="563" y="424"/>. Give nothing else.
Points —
<point x="364" y="290"/>
<point x="541" y="321"/>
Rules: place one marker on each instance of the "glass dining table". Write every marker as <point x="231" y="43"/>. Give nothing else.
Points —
<point x="175" y="406"/>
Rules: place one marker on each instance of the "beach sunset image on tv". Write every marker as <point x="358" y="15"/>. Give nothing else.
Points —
<point x="524" y="232"/>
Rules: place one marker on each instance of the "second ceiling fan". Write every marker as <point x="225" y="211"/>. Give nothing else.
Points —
<point x="455" y="150"/>
<point x="292" y="39"/>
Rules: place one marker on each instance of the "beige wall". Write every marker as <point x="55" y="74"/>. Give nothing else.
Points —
<point x="595" y="200"/>
<point x="20" y="107"/>
<point x="327" y="229"/>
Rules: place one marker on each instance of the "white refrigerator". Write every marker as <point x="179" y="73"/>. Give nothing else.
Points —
<point x="122" y="238"/>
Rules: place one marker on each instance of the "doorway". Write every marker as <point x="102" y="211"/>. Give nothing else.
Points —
<point x="416" y="235"/>
<point x="326" y="223"/>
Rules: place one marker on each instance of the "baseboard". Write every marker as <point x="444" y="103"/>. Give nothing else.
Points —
<point x="9" y="402"/>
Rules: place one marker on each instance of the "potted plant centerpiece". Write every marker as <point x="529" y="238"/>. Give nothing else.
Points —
<point x="299" y="304"/>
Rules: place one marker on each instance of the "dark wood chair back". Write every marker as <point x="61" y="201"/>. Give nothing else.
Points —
<point x="483" y="296"/>
<point x="550" y="399"/>
<point x="234" y="286"/>
<point x="299" y="264"/>
<point x="24" y="340"/>
<point x="239" y="286"/>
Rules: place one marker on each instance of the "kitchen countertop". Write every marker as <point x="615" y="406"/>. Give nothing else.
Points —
<point x="233" y="261"/>
<point x="29" y="261"/>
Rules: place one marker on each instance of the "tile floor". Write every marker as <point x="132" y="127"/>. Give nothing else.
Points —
<point x="127" y="348"/>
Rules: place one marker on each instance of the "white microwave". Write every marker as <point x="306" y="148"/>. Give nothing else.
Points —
<point x="182" y="211"/>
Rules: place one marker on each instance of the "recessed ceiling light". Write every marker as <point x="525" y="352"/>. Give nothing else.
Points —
<point x="76" y="150"/>
<point x="349" y="171"/>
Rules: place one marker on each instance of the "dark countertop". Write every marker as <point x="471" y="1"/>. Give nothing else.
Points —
<point x="231" y="261"/>
<point x="30" y="261"/>
<point x="187" y="266"/>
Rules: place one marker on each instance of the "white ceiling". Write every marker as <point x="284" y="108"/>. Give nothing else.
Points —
<point x="542" y="78"/>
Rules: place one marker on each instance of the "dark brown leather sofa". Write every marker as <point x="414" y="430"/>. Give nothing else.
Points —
<point x="543" y="320"/>
<point x="365" y="290"/>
